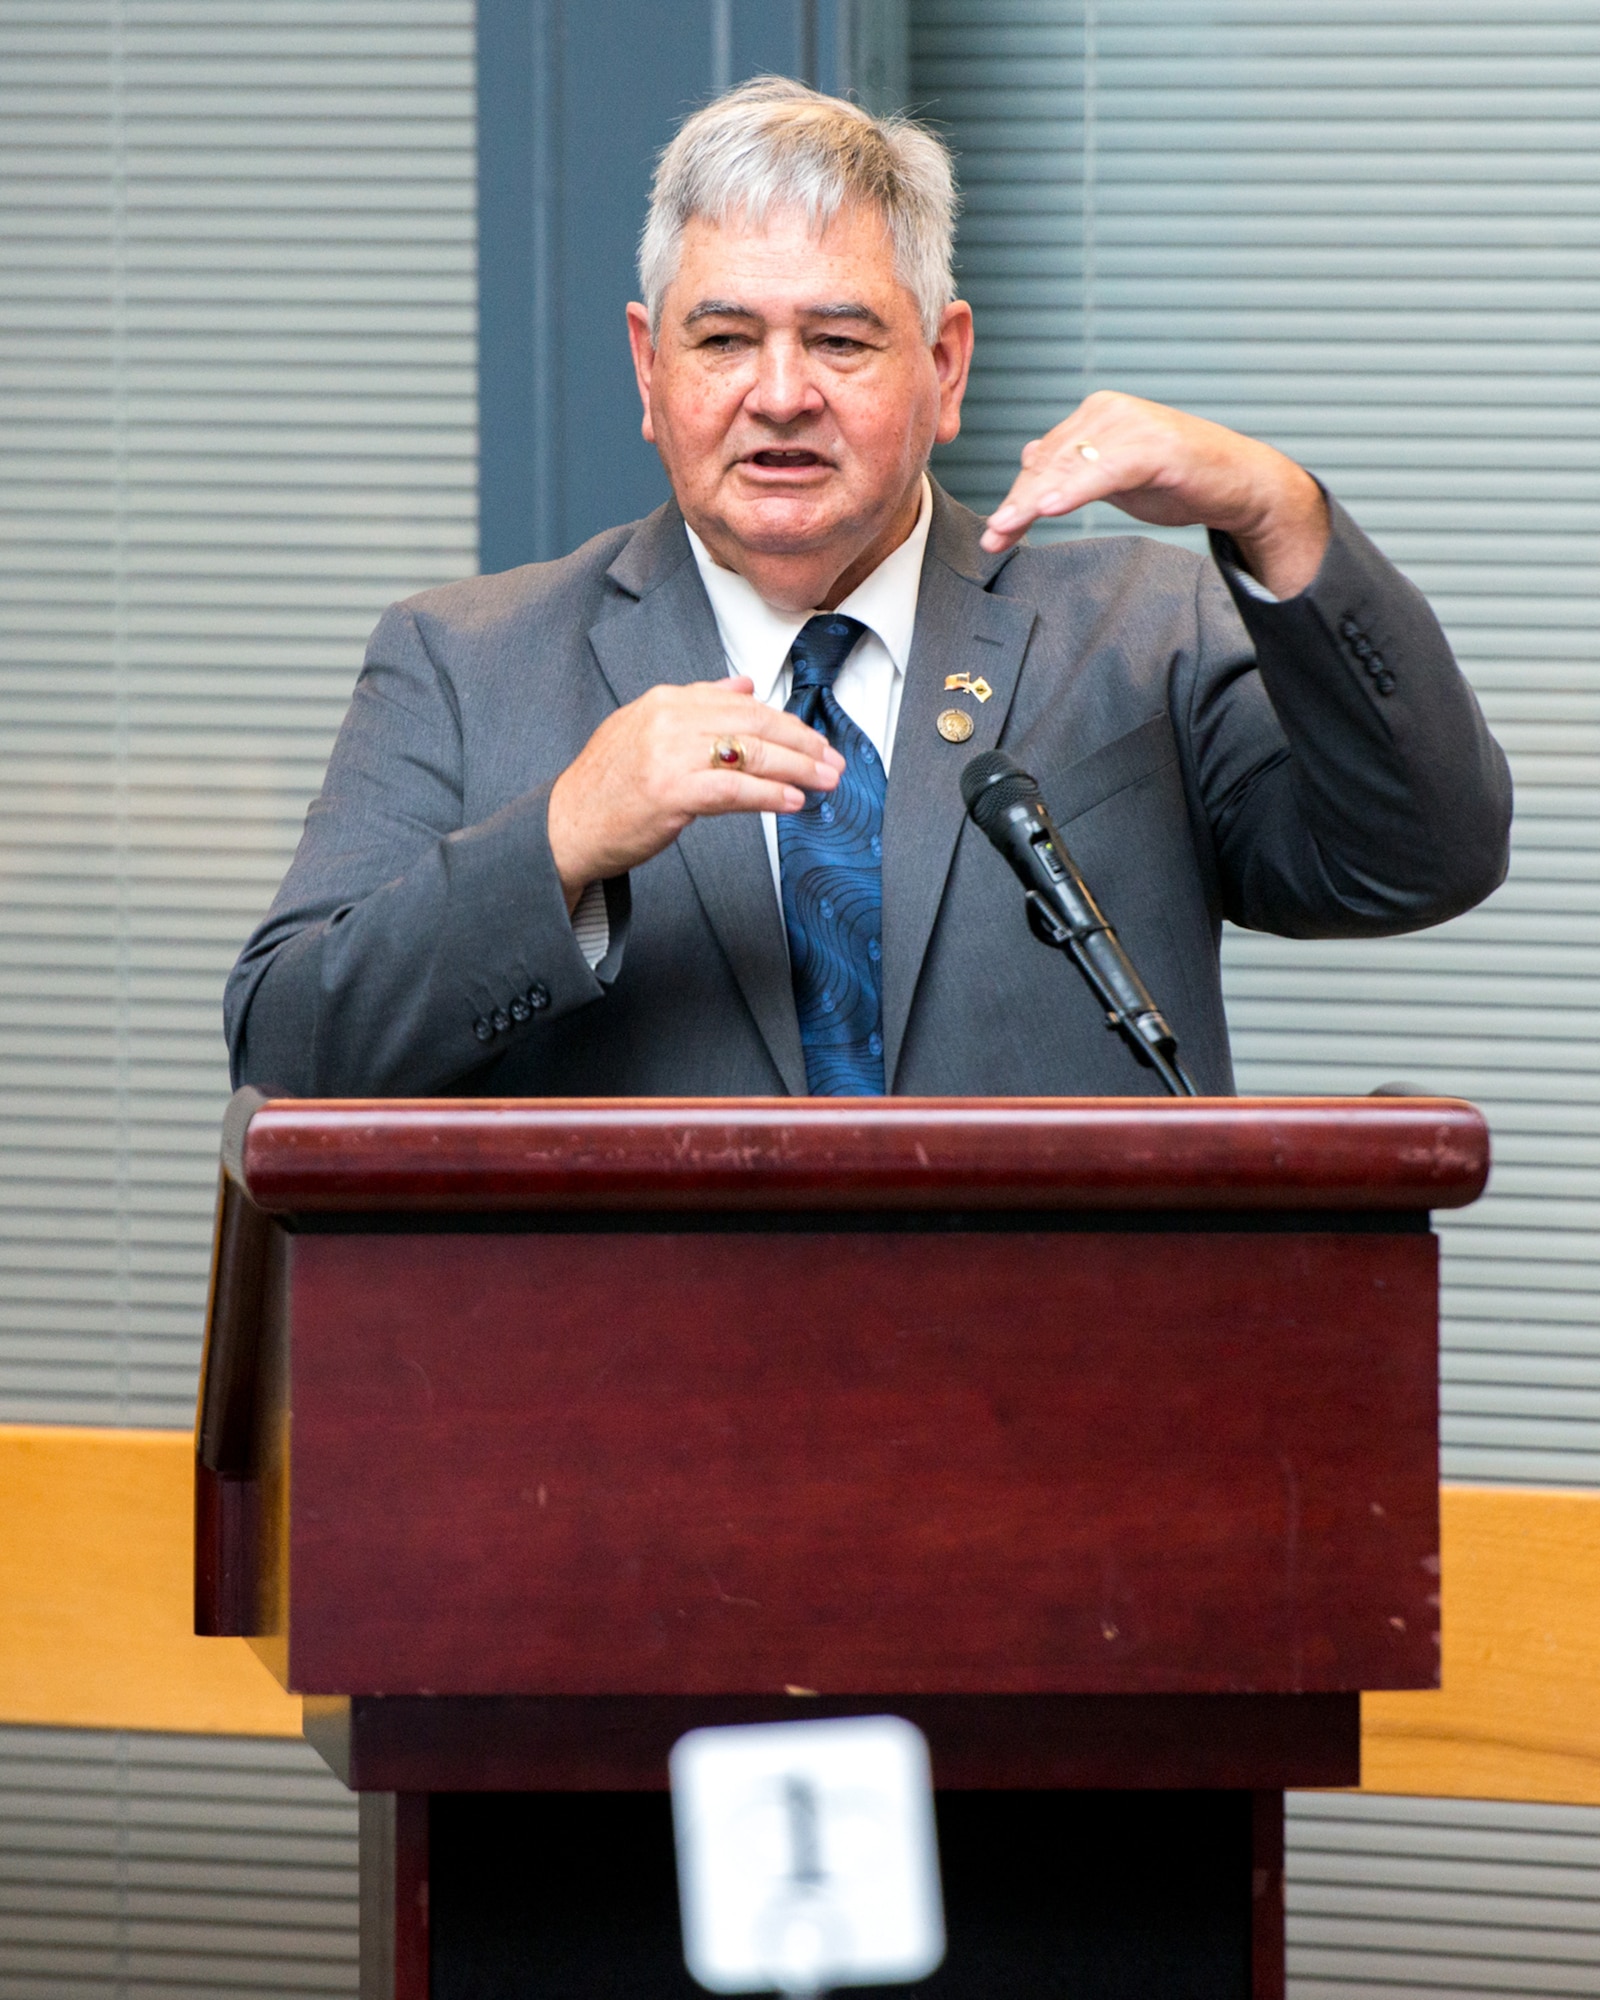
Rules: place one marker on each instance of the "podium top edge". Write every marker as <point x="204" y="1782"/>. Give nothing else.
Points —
<point x="486" y="1155"/>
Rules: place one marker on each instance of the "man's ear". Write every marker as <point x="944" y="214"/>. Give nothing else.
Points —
<point x="952" y="360"/>
<point x="644" y="361"/>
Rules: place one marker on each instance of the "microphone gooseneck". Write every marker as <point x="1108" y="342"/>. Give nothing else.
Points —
<point x="1005" y="804"/>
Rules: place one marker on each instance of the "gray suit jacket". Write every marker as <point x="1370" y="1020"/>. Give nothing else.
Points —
<point x="1317" y="768"/>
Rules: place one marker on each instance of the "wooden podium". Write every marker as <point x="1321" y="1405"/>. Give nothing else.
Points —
<point x="1098" y="1437"/>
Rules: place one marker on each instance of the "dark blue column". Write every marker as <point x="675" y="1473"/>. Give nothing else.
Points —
<point x="575" y="100"/>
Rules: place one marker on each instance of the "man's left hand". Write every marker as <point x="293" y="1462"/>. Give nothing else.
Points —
<point x="1175" y="471"/>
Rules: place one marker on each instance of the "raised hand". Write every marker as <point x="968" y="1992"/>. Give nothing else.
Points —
<point x="669" y="757"/>
<point x="1174" y="470"/>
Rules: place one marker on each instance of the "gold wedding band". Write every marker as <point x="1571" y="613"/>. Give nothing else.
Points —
<point x="727" y="754"/>
<point x="1088" y="451"/>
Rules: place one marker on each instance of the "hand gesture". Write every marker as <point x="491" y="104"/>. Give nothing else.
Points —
<point x="667" y="758"/>
<point x="1173" y="470"/>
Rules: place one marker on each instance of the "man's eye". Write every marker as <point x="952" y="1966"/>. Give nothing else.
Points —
<point x="841" y="343"/>
<point x="723" y="343"/>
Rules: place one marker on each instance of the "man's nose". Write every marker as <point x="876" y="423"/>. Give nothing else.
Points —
<point x="785" y="388"/>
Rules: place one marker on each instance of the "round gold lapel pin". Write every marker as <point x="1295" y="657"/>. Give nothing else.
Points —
<point x="953" y="724"/>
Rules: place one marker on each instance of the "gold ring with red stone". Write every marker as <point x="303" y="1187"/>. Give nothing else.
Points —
<point x="727" y="754"/>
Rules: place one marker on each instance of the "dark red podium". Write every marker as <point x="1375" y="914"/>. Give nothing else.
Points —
<point x="1097" y="1437"/>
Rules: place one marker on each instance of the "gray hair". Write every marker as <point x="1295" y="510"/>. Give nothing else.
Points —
<point x="774" y="144"/>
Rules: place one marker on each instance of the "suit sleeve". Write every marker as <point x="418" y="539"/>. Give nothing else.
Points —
<point x="1345" y="775"/>
<point x="405" y="950"/>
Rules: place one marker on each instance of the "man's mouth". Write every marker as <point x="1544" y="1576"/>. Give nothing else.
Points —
<point x="781" y="459"/>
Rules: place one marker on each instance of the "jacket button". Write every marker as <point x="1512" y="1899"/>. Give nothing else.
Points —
<point x="1349" y="629"/>
<point x="538" y="996"/>
<point x="1384" y="682"/>
<point x="520" y="1010"/>
<point x="482" y="1029"/>
<point x="501" y="1020"/>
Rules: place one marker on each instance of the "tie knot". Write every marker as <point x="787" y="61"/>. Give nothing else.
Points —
<point x="821" y="647"/>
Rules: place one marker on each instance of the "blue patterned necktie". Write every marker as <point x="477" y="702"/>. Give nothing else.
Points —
<point x="831" y="856"/>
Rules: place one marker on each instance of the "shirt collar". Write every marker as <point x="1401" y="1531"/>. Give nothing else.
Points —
<point x="757" y="636"/>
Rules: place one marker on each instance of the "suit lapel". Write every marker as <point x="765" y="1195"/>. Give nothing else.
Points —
<point x="667" y="634"/>
<point x="961" y="628"/>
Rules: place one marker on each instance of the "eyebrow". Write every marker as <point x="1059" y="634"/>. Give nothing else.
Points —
<point x="843" y="309"/>
<point x="848" y="309"/>
<point x="719" y="309"/>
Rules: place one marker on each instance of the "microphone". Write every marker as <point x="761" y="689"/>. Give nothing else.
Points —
<point x="1005" y="804"/>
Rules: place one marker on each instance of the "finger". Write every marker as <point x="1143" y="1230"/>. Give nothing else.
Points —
<point x="729" y="708"/>
<point x="1069" y="470"/>
<point x="755" y="721"/>
<point x="761" y="758"/>
<point x="1057" y="476"/>
<point x="766" y="759"/>
<point x="1044" y="493"/>
<point x="739" y="791"/>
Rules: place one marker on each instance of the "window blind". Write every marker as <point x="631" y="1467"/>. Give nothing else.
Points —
<point x="238" y="418"/>
<point x="139" y="1867"/>
<point x="1428" y="1897"/>
<point x="1367" y="230"/>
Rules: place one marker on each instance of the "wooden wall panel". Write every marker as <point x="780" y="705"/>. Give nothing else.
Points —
<point x="1518" y="1716"/>
<point x="97" y="1592"/>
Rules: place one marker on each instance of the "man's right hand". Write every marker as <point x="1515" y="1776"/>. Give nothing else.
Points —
<point x="648" y="770"/>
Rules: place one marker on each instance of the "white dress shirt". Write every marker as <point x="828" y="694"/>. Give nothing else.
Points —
<point x="756" y="637"/>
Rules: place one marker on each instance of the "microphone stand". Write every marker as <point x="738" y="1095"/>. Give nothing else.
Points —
<point x="1006" y="805"/>
<point x="1129" y="1009"/>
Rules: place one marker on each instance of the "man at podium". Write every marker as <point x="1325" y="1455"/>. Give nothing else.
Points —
<point x="680" y="813"/>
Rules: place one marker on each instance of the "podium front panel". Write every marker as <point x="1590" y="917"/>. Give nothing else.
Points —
<point x="1092" y="1460"/>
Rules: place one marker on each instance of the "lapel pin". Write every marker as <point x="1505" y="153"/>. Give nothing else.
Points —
<point x="979" y="689"/>
<point x="954" y="724"/>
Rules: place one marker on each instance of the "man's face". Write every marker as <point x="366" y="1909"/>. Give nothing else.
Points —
<point x="793" y="397"/>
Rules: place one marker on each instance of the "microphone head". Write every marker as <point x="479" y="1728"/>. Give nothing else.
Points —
<point x="991" y="783"/>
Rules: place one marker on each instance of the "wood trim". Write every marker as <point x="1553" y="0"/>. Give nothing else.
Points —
<point x="225" y="1423"/>
<point x="482" y="1156"/>
<point x="379" y="1743"/>
<point x="225" y="1540"/>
